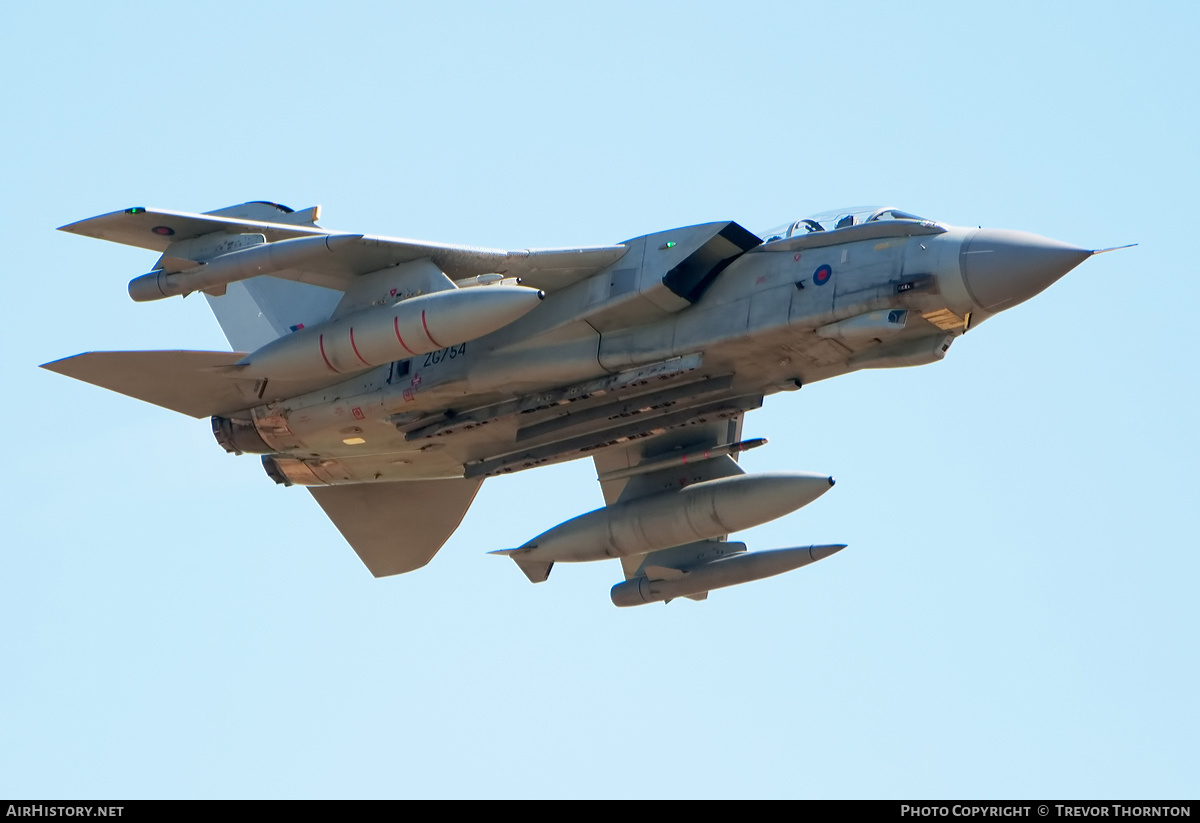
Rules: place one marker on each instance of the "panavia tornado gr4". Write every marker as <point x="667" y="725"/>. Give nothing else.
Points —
<point x="392" y="377"/>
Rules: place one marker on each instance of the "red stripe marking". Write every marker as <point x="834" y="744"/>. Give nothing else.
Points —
<point x="356" y="354"/>
<point x="321" y="343"/>
<point x="396" y="326"/>
<point x="427" y="334"/>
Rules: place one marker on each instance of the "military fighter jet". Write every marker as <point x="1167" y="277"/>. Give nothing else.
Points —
<point x="391" y="377"/>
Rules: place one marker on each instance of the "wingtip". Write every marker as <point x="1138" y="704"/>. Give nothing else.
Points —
<point x="74" y="227"/>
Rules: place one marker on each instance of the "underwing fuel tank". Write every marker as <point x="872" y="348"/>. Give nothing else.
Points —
<point x="705" y="510"/>
<point x="732" y="571"/>
<point x="381" y="334"/>
<point x="238" y="265"/>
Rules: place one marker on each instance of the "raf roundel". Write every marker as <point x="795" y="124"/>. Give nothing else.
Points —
<point x="822" y="275"/>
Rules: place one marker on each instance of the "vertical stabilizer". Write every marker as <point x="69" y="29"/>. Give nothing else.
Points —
<point x="254" y="312"/>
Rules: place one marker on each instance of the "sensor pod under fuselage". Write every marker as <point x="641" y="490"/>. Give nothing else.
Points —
<point x="719" y="574"/>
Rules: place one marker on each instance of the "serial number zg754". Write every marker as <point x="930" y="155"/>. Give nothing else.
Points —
<point x="435" y="357"/>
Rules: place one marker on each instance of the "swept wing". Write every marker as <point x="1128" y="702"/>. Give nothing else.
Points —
<point x="161" y="229"/>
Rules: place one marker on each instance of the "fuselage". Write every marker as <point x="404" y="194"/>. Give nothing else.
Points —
<point x="812" y="302"/>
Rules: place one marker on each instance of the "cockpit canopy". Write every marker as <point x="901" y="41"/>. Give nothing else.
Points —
<point x="839" y="219"/>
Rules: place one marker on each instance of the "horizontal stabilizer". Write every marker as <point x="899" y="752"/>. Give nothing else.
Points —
<point x="397" y="527"/>
<point x="188" y="382"/>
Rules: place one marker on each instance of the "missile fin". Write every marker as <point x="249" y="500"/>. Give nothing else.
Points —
<point x="536" y="572"/>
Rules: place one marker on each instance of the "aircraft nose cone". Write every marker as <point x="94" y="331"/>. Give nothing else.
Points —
<point x="1002" y="268"/>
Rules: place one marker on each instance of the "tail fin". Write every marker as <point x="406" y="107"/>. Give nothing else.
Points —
<point x="254" y="312"/>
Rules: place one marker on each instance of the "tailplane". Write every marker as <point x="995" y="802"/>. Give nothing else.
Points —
<point x="397" y="527"/>
<point x="189" y="382"/>
<point x="195" y="383"/>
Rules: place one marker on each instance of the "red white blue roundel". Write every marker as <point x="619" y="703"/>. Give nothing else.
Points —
<point x="822" y="275"/>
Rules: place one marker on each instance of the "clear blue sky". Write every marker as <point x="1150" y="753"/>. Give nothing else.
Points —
<point x="1015" y="615"/>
